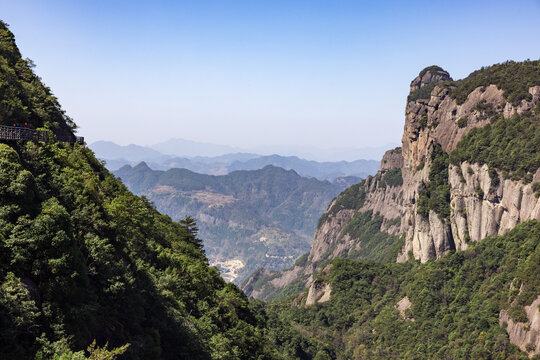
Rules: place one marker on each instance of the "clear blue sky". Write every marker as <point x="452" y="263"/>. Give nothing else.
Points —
<point x="245" y="73"/>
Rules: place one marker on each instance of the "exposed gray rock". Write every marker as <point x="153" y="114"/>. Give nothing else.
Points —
<point x="327" y="234"/>
<point x="319" y="292"/>
<point x="402" y="306"/>
<point x="523" y="334"/>
<point x="433" y="74"/>
<point x="392" y="159"/>
<point x="501" y="208"/>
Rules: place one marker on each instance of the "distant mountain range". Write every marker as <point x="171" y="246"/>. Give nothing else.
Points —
<point x="248" y="219"/>
<point x="188" y="148"/>
<point x="117" y="156"/>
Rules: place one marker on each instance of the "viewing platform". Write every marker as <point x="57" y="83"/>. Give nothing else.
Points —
<point x="27" y="134"/>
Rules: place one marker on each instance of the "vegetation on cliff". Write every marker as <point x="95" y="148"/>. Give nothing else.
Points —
<point x="372" y="244"/>
<point x="391" y="177"/>
<point x="511" y="145"/>
<point x="351" y="199"/>
<point x="23" y="97"/>
<point x="436" y="193"/>
<point x="455" y="303"/>
<point x="423" y="93"/>
<point x="83" y="259"/>
<point x="514" y="78"/>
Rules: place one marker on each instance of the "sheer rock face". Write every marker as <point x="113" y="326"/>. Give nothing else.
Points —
<point x="392" y="159"/>
<point x="472" y="218"/>
<point x="319" y="290"/>
<point x="443" y="113"/>
<point x="523" y="334"/>
<point x="430" y="121"/>
<point x="326" y="235"/>
<point x="501" y="208"/>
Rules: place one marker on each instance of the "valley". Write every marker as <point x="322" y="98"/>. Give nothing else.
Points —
<point x="262" y="218"/>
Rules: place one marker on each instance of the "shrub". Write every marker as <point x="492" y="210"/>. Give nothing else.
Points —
<point x="511" y="145"/>
<point x="479" y="192"/>
<point x="536" y="189"/>
<point x="423" y="121"/>
<point x="352" y="198"/>
<point x="391" y="177"/>
<point x="462" y="122"/>
<point x="436" y="194"/>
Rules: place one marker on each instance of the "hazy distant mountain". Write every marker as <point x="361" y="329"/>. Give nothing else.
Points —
<point x="264" y="217"/>
<point x="227" y="158"/>
<point x="325" y="154"/>
<point x="108" y="150"/>
<point x="188" y="148"/>
<point x="117" y="156"/>
<point x="319" y="170"/>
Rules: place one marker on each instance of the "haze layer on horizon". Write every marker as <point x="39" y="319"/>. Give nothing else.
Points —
<point x="311" y="73"/>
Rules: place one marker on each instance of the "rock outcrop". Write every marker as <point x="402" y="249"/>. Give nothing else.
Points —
<point x="525" y="335"/>
<point x="478" y="205"/>
<point x="432" y="74"/>
<point x="318" y="293"/>
<point x="402" y="306"/>
<point x="392" y="159"/>
<point x="435" y="121"/>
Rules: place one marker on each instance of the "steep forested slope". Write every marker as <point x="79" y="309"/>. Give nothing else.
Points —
<point x="458" y="307"/>
<point x="82" y="258"/>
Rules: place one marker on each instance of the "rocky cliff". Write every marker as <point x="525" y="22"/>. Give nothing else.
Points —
<point x="427" y="198"/>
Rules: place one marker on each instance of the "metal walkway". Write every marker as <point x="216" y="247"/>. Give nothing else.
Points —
<point x="26" y="134"/>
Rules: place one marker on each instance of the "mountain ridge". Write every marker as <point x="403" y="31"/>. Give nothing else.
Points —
<point x="117" y="155"/>
<point x="464" y="202"/>
<point x="224" y="164"/>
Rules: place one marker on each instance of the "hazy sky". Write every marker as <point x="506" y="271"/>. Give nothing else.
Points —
<point x="245" y="73"/>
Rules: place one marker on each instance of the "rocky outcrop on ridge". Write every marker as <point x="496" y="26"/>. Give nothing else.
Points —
<point x="431" y="74"/>
<point x="479" y="206"/>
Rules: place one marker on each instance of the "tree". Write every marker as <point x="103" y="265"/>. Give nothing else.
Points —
<point x="190" y="232"/>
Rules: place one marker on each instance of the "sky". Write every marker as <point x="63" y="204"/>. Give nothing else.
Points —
<point x="329" y="74"/>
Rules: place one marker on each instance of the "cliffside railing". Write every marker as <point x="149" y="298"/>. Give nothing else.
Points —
<point x="26" y="134"/>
